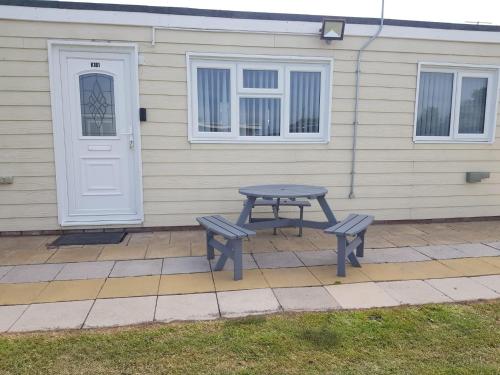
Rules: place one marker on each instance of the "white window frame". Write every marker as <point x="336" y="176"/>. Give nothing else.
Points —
<point x="283" y="64"/>
<point x="216" y="65"/>
<point x="322" y="103"/>
<point x="460" y="71"/>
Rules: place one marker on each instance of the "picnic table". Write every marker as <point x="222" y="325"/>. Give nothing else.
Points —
<point x="284" y="191"/>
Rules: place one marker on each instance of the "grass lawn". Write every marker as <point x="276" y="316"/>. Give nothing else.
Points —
<point x="434" y="339"/>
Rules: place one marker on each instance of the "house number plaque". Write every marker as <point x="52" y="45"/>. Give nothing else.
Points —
<point x="95" y="64"/>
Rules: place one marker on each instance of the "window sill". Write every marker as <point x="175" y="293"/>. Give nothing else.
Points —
<point x="254" y="141"/>
<point x="453" y="141"/>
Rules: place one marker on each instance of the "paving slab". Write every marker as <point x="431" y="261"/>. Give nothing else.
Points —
<point x="32" y="273"/>
<point x="393" y="255"/>
<point x="70" y="290"/>
<point x="9" y="315"/>
<point x="252" y="279"/>
<point x="408" y="271"/>
<point x="163" y="250"/>
<point x="248" y="263"/>
<point x="121" y="311"/>
<point x="494" y="261"/>
<point x="127" y="268"/>
<point x="184" y="283"/>
<point x="305" y="299"/>
<point x="290" y="277"/>
<point x="23" y="256"/>
<point x="328" y="275"/>
<point x="247" y="302"/>
<point x="278" y="260"/>
<point x="492" y="282"/>
<point x="470" y="267"/>
<point x="85" y="270"/>
<point x="200" y="306"/>
<point x="122" y="252"/>
<point x="496" y="245"/>
<point x="361" y="295"/>
<point x="130" y="286"/>
<point x="4" y="270"/>
<point x="462" y="289"/>
<point x="476" y="250"/>
<point x="76" y="254"/>
<point x="317" y="257"/>
<point x="440" y="251"/>
<point x="20" y="294"/>
<point x="185" y="265"/>
<point x="413" y="292"/>
<point x="294" y="244"/>
<point x="58" y="315"/>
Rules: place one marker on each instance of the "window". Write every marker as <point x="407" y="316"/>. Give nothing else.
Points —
<point x="456" y="104"/>
<point x="214" y="100"/>
<point x="259" y="99"/>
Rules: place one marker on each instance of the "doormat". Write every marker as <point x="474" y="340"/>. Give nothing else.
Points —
<point x="100" y="238"/>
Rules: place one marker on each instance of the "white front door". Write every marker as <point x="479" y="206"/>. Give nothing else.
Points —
<point x="99" y="179"/>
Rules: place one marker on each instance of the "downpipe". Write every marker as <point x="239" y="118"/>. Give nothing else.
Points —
<point x="356" y="102"/>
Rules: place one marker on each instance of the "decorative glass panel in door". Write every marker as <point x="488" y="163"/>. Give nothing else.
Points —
<point x="97" y="103"/>
<point x="472" y="105"/>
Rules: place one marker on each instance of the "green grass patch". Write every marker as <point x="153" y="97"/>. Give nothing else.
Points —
<point x="434" y="339"/>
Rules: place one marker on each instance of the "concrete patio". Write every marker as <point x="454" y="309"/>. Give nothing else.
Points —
<point x="164" y="276"/>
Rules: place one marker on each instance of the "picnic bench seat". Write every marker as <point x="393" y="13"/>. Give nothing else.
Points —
<point x="354" y="225"/>
<point x="233" y="234"/>
<point x="277" y="203"/>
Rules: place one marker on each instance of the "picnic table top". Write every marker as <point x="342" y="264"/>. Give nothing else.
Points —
<point x="283" y="191"/>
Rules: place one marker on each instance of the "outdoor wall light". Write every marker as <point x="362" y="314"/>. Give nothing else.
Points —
<point x="333" y="29"/>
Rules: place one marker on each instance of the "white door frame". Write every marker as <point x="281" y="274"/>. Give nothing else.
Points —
<point x="54" y="49"/>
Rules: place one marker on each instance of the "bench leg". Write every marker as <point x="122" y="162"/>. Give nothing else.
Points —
<point x="210" y="249"/>
<point x="360" y="251"/>
<point x="341" y="246"/>
<point x="301" y="219"/>
<point x="237" y="260"/>
<point x="353" y="260"/>
<point x="221" y="262"/>
<point x="276" y="216"/>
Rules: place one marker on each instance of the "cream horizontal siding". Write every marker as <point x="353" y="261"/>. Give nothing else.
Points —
<point x="396" y="179"/>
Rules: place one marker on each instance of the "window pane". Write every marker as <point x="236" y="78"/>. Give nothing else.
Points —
<point x="472" y="105"/>
<point x="260" y="116"/>
<point x="305" y="90"/>
<point x="434" y="104"/>
<point x="97" y="104"/>
<point x="260" y="79"/>
<point x="214" y="100"/>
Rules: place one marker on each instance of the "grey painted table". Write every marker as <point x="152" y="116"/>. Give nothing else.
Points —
<point x="282" y="192"/>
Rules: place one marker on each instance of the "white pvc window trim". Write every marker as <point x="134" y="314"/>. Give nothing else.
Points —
<point x="236" y="63"/>
<point x="459" y="71"/>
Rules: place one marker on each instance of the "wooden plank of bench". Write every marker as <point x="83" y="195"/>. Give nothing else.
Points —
<point x="361" y="226"/>
<point x="290" y="203"/>
<point x="352" y="225"/>
<point x="223" y="221"/>
<point x="346" y="224"/>
<point x="219" y="225"/>
<point x="216" y="228"/>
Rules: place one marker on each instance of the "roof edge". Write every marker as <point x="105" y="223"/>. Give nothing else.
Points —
<point x="241" y="14"/>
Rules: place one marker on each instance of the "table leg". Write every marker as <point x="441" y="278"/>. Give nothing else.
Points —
<point x="245" y="213"/>
<point x="327" y="210"/>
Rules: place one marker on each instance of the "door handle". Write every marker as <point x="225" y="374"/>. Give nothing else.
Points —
<point x="131" y="142"/>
